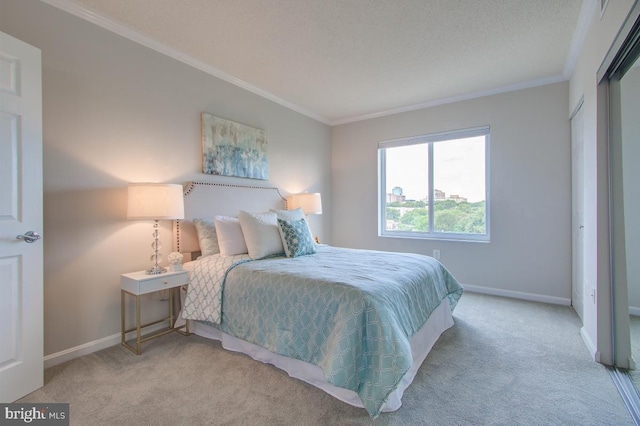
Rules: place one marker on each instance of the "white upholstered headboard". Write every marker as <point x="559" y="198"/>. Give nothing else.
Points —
<point x="206" y="200"/>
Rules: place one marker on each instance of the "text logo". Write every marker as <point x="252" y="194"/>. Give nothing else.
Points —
<point x="34" y="414"/>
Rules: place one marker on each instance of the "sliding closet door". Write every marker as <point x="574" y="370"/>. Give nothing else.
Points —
<point x="619" y="61"/>
<point x="630" y="105"/>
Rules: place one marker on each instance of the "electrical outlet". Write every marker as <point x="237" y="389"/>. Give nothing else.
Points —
<point x="436" y="254"/>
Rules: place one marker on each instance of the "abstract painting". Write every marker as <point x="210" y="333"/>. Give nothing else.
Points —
<point x="233" y="149"/>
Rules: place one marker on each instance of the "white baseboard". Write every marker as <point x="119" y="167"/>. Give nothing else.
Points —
<point x="96" y="345"/>
<point x="590" y="346"/>
<point x="114" y="339"/>
<point x="518" y="295"/>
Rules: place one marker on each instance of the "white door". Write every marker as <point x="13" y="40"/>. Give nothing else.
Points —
<point x="577" y="202"/>
<point x="21" y="292"/>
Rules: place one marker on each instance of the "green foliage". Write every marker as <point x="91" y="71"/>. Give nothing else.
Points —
<point x="416" y="220"/>
<point x="414" y="204"/>
<point x="393" y="214"/>
<point x="449" y="216"/>
<point x="407" y="204"/>
<point x="461" y="218"/>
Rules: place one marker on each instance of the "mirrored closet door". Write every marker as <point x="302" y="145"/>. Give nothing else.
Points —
<point x="630" y="162"/>
<point x="623" y="74"/>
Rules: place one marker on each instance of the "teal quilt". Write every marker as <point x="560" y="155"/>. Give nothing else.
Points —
<point x="350" y="312"/>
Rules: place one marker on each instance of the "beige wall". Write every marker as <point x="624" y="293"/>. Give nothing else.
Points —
<point x="116" y="112"/>
<point x="530" y="201"/>
<point x="583" y="85"/>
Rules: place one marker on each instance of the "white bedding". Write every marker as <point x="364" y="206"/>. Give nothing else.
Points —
<point x="204" y="200"/>
<point x="421" y="343"/>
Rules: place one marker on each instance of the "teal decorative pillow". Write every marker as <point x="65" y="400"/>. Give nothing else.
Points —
<point x="291" y="215"/>
<point x="296" y="237"/>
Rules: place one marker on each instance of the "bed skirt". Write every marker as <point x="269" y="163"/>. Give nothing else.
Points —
<point x="421" y="343"/>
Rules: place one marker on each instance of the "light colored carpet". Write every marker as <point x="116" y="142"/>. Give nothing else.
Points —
<point x="505" y="362"/>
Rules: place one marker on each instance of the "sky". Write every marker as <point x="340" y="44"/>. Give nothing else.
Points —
<point x="459" y="168"/>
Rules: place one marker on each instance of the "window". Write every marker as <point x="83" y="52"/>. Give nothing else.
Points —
<point x="435" y="186"/>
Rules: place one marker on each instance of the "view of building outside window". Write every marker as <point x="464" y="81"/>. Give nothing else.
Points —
<point x="407" y="176"/>
<point x="459" y="190"/>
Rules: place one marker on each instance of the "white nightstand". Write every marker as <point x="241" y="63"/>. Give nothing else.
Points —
<point x="139" y="283"/>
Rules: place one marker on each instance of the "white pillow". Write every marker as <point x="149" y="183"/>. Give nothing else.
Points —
<point x="289" y="215"/>
<point x="230" y="237"/>
<point x="261" y="234"/>
<point x="206" y="229"/>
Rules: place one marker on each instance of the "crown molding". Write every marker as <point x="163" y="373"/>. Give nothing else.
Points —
<point x="69" y="6"/>
<point x="137" y="37"/>
<point x="464" y="97"/>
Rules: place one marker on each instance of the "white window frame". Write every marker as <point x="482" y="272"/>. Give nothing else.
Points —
<point x="430" y="139"/>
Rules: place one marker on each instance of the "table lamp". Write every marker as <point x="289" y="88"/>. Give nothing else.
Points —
<point x="155" y="201"/>
<point x="308" y="202"/>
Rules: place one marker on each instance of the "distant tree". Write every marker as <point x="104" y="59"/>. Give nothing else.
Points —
<point x="422" y="223"/>
<point x="446" y="221"/>
<point x="415" y="204"/>
<point x="449" y="216"/>
<point x="446" y="205"/>
<point x="415" y="219"/>
<point x="393" y="213"/>
<point x="463" y="217"/>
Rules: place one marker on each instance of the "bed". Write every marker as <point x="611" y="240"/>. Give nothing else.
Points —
<point x="355" y="323"/>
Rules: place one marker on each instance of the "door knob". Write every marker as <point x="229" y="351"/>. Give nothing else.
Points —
<point x="29" y="237"/>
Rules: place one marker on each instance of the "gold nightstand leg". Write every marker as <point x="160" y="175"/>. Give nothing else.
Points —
<point x="122" y="320"/>
<point x="170" y="308"/>
<point x="138" y="339"/>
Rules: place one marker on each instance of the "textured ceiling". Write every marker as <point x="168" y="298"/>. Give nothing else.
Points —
<point x="341" y="60"/>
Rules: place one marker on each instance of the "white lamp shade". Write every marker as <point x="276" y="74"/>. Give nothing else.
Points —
<point x="155" y="201"/>
<point x="309" y="202"/>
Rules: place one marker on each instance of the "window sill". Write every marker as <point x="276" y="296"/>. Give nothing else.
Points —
<point x="456" y="238"/>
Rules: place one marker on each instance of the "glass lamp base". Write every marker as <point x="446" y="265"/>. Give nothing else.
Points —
<point x="156" y="270"/>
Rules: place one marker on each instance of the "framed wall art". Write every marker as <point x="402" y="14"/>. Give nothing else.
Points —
<point x="233" y="149"/>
